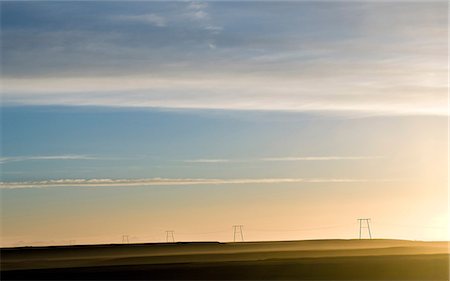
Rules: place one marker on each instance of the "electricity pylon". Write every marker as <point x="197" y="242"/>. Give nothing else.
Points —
<point x="365" y="225"/>
<point x="237" y="230"/>
<point x="125" y="239"/>
<point x="169" y="236"/>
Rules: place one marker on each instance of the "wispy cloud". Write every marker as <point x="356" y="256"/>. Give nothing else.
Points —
<point x="152" y="19"/>
<point x="168" y="181"/>
<point x="45" y="157"/>
<point x="345" y="58"/>
<point x="283" y="159"/>
<point x="255" y="93"/>
<point x="320" y="158"/>
<point x="197" y="5"/>
<point x="197" y="11"/>
<point x="209" y="160"/>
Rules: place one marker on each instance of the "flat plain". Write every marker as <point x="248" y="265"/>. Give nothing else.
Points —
<point x="376" y="259"/>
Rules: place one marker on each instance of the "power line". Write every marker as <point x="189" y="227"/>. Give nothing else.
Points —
<point x="412" y="226"/>
<point x="300" y="229"/>
<point x="201" y="233"/>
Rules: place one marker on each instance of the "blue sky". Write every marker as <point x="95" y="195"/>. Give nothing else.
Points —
<point x="81" y="142"/>
<point x="217" y="113"/>
<point x="127" y="143"/>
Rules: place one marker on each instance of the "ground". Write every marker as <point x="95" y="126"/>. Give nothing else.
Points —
<point x="376" y="259"/>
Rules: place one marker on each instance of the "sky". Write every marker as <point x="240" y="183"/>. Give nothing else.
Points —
<point x="293" y="119"/>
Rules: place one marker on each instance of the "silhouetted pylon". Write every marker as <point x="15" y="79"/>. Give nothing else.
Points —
<point x="364" y="224"/>
<point x="237" y="231"/>
<point x="125" y="239"/>
<point x="169" y="236"/>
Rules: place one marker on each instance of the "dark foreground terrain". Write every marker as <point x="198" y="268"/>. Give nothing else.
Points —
<point x="295" y="260"/>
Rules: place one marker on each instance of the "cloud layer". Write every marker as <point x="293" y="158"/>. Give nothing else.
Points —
<point x="282" y="159"/>
<point x="167" y="181"/>
<point x="45" y="157"/>
<point x="386" y="58"/>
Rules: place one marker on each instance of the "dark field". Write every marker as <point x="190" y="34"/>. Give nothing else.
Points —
<point x="294" y="260"/>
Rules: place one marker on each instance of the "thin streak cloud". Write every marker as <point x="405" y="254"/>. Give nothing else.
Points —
<point x="152" y="19"/>
<point x="45" y="157"/>
<point x="210" y="161"/>
<point x="320" y="158"/>
<point x="168" y="181"/>
<point x="257" y="93"/>
<point x="283" y="159"/>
